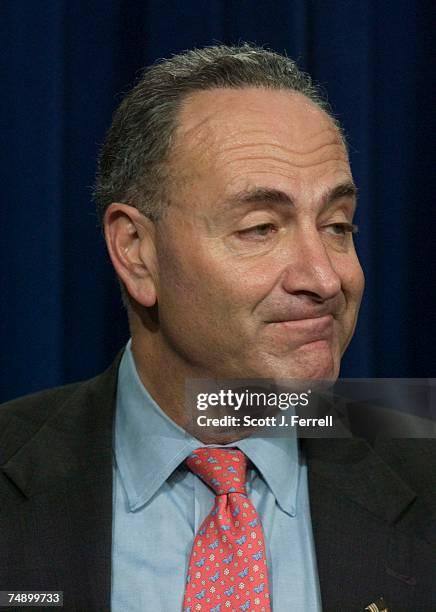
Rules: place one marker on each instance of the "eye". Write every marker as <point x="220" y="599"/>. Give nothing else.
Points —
<point x="341" y="229"/>
<point x="258" y="232"/>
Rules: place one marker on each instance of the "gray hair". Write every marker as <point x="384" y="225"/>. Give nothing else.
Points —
<point x="132" y="166"/>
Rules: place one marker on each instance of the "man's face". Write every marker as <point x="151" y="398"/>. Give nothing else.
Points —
<point x="257" y="272"/>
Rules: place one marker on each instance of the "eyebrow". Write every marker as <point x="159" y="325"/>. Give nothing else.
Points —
<point x="344" y="190"/>
<point x="261" y="195"/>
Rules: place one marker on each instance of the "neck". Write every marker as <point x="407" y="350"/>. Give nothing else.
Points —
<point x="164" y="376"/>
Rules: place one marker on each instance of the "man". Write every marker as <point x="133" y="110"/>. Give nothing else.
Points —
<point x="227" y="202"/>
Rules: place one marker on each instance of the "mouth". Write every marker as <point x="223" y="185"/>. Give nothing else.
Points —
<point x="305" y="331"/>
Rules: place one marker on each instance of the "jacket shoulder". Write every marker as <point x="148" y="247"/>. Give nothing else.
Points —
<point x="22" y="418"/>
<point x="35" y="408"/>
<point x="39" y="403"/>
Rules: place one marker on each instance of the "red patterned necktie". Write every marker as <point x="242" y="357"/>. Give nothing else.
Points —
<point x="227" y="568"/>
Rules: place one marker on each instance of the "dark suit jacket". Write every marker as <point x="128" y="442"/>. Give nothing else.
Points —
<point x="373" y="511"/>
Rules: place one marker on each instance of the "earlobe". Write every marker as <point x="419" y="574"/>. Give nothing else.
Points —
<point x="130" y="239"/>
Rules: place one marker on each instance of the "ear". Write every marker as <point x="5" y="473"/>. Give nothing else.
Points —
<point x="130" y="239"/>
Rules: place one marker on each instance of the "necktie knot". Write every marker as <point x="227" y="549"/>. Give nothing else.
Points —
<point x="223" y="469"/>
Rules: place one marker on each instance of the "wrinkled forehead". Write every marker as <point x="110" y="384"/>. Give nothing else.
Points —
<point x="229" y="139"/>
<point x="221" y="118"/>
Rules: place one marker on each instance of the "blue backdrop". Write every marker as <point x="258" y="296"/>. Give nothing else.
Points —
<point x="64" y="65"/>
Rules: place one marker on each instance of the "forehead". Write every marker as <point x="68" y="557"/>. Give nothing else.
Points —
<point x="227" y="113"/>
<point x="245" y="135"/>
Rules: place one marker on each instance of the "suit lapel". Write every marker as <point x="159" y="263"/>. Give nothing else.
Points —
<point x="364" y="520"/>
<point x="64" y="473"/>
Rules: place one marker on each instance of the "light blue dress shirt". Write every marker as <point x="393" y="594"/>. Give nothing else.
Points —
<point x="158" y="505"/>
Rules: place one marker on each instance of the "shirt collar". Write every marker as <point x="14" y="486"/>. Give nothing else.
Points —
<point x="278" y="460"/>
<point x="149" y="446"/>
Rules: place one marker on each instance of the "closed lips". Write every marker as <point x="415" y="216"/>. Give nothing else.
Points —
<point x="311" y="329"/>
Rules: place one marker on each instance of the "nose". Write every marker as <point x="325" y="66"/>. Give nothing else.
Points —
<point x="310" y="270"/>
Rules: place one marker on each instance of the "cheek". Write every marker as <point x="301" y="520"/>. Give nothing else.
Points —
<point x="356" y="283"/>
<point x="218" y="281"/>
<point x="352" y="286"/>
<point x="352" y="279"/>
<point x="193" y="291"/>
<point x="248" y="283"/>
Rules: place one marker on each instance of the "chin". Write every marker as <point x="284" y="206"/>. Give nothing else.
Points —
<point x="315" y="361"/>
